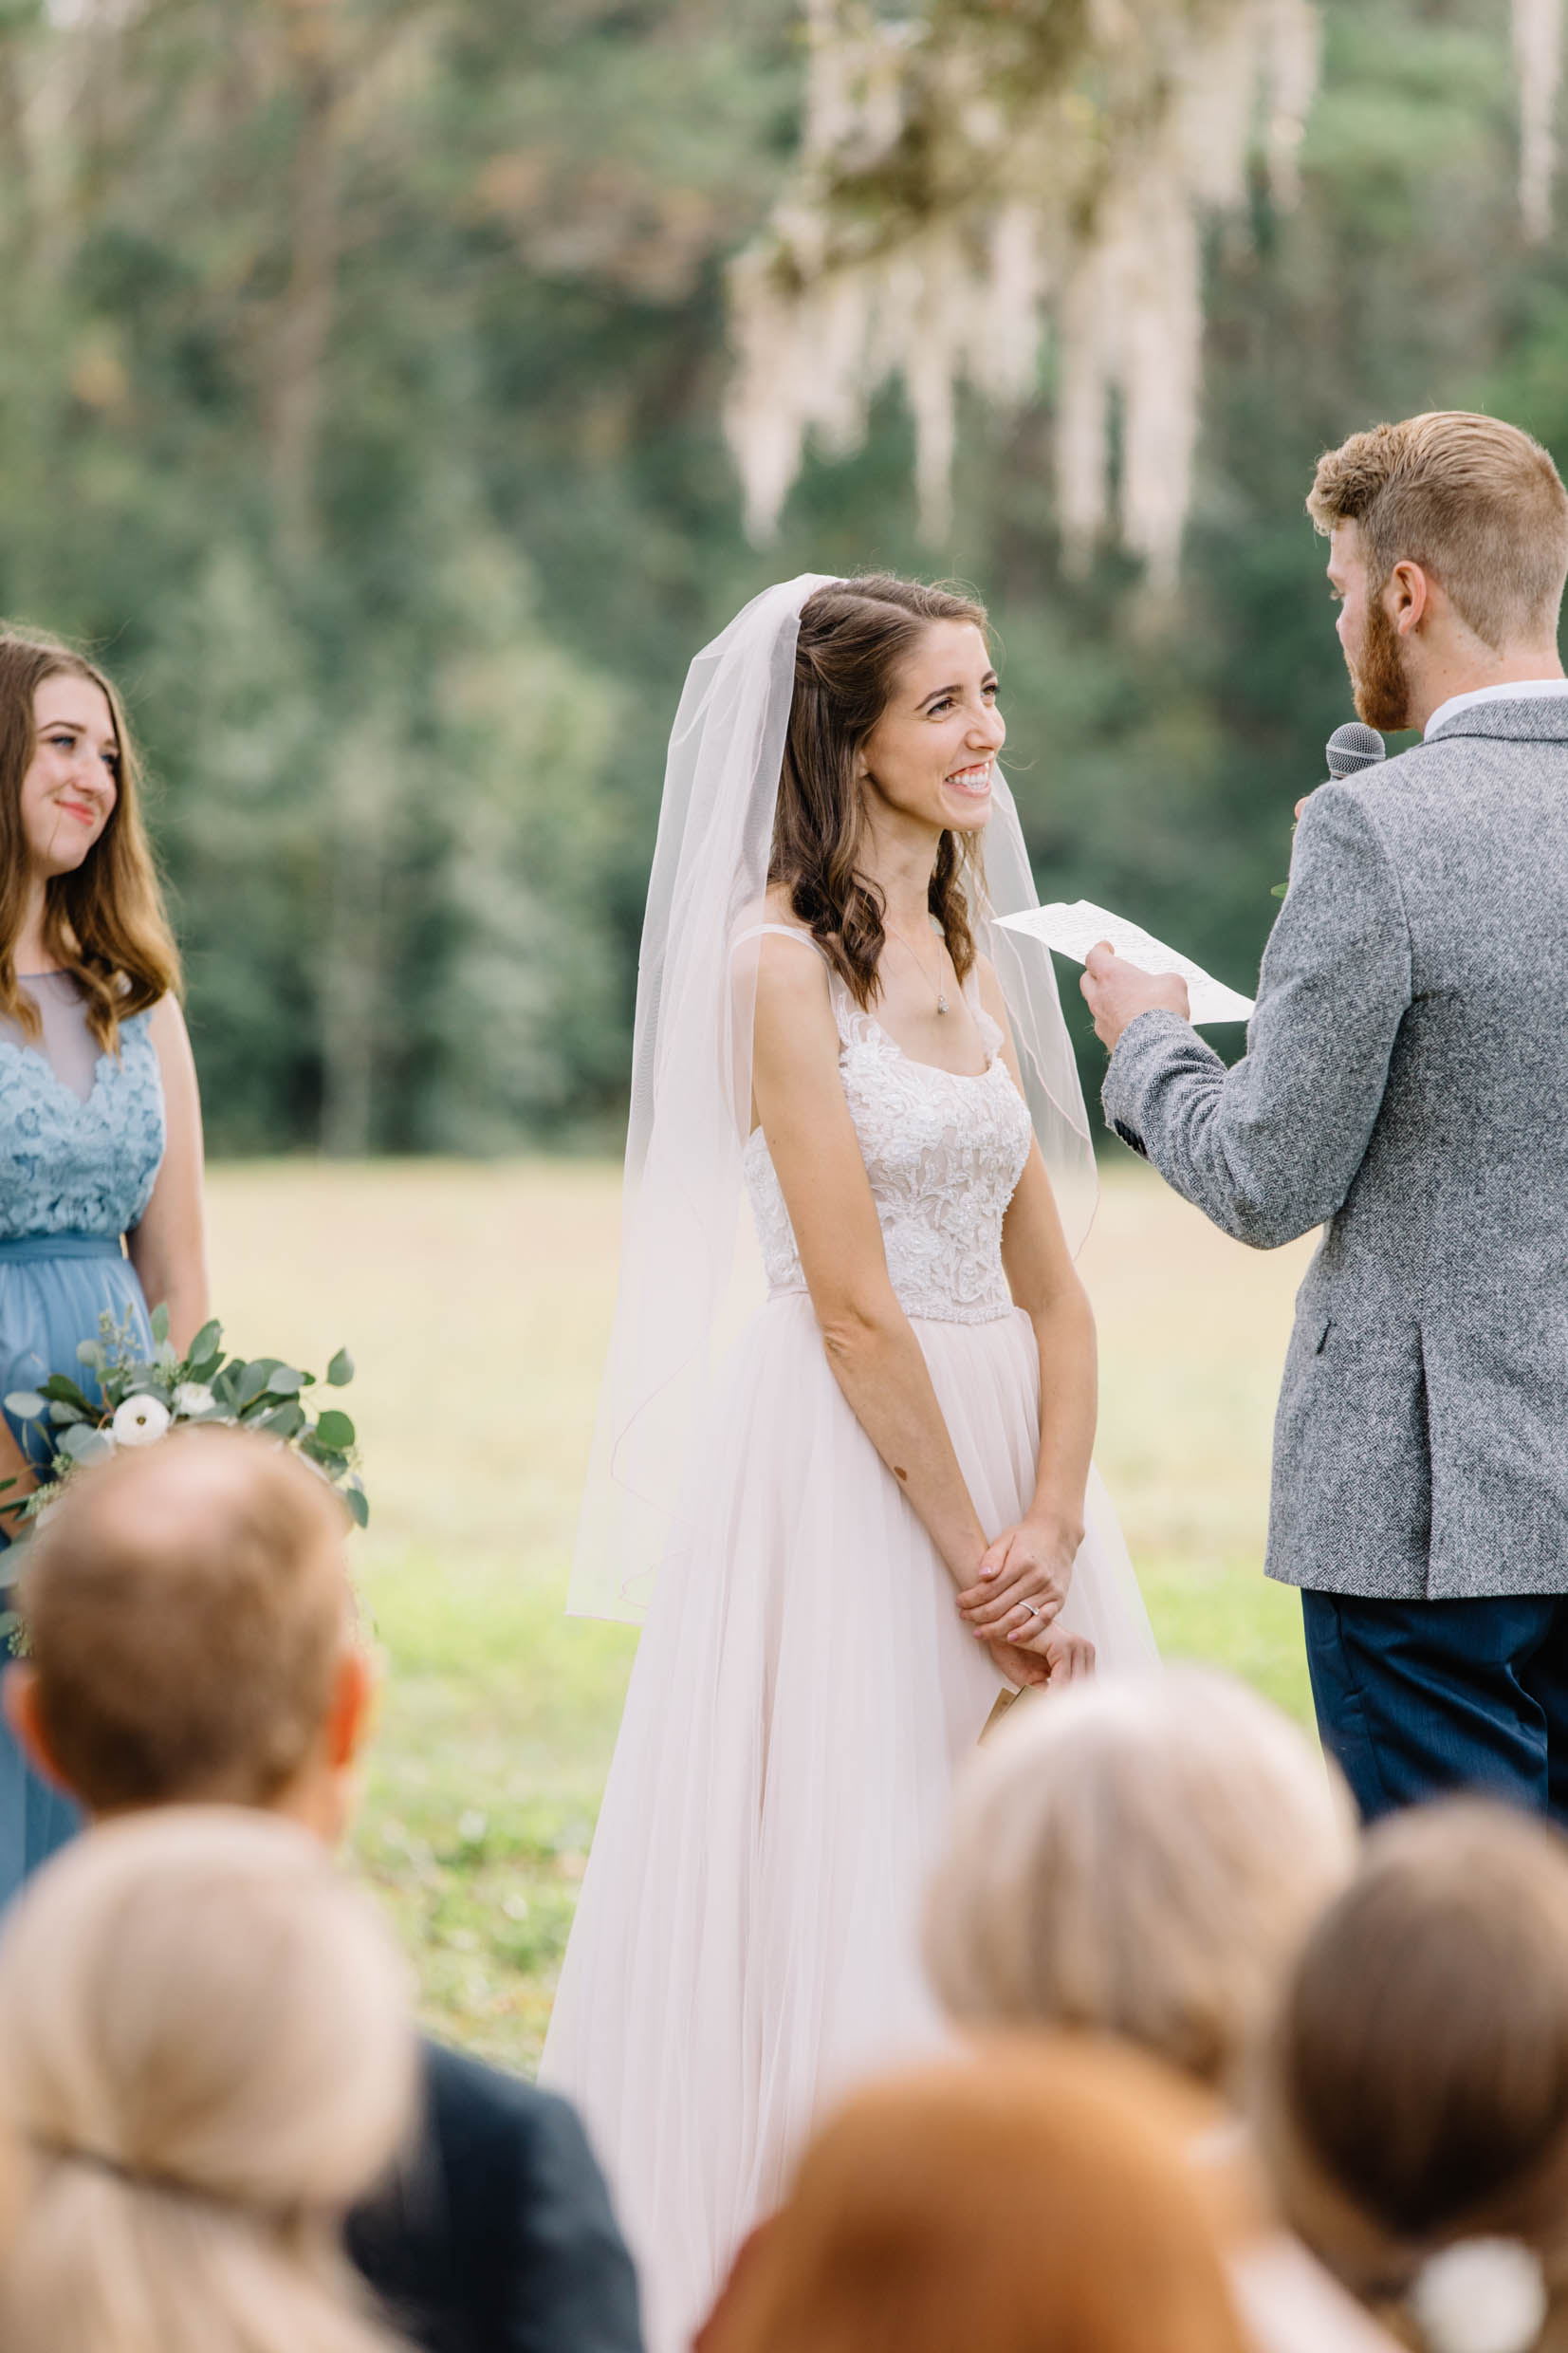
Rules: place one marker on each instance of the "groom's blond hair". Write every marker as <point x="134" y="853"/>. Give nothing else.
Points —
<point x="187" y="1608"/>
<point x="1476" y="503"/>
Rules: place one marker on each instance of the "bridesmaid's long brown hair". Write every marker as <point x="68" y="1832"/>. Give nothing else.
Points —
<point x="855" y="636"/>
<point x="105" y="923"/>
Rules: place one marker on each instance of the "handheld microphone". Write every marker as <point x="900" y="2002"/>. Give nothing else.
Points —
<point x="1352" y="748"/>
<point x="1349" y="749"/>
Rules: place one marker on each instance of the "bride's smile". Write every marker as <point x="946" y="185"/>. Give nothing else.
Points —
<point x="931" y="753"/>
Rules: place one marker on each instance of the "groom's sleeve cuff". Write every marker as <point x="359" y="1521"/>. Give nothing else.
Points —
<point x="1142" y="1051"/>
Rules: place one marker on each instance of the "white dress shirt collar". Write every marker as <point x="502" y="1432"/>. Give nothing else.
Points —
<point x="1513" y="691"/>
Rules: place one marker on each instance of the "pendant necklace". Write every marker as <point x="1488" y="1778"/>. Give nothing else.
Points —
<point x="941" y="986"/>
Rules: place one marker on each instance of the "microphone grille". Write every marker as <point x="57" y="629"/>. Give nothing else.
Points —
<point x="1353" y="746"/>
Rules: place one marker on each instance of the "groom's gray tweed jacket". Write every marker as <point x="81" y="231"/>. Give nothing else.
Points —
<point x="1406" y="1079"/>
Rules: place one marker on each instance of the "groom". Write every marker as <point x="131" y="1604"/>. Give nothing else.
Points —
<point x="1406" y="1086"/>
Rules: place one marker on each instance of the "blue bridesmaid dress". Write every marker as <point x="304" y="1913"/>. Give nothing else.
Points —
<point x="82" y="1138"/>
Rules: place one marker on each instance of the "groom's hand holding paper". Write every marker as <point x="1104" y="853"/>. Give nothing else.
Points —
<point x="1117" y="990"/>
<point x="1127" y="970"/>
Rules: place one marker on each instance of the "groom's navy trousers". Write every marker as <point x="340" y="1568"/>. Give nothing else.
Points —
<point x="1417" y="1698"/>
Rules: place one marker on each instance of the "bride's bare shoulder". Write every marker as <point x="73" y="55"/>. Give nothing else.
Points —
<point x="778" y="965"/>
<point x="776" y="936"/>
<point x="777" y="908"/>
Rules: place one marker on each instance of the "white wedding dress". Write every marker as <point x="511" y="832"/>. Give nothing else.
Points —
<point x="747" y="1941"/>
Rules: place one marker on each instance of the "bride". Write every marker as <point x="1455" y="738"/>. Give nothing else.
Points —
<point x="878" y="1514"/>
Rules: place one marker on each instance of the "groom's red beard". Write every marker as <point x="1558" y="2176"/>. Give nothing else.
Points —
<point x="1378" y="680"/>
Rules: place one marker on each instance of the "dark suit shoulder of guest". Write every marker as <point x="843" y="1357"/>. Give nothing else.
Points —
<point x="496" y="2236"/>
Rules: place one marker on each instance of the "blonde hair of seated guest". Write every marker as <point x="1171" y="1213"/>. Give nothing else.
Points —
<point x="206" y="2055"/>
<point x="1142" y="1858"/>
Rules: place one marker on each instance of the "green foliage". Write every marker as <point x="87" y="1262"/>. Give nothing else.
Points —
<point x="137" y="1401"/>
<point x="363" y="405"/>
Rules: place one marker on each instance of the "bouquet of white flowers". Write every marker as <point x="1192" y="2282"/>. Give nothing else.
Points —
<point x="143" y="1397"/>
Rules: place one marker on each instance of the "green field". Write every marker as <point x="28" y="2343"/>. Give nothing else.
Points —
<point x="476" y="1299"/>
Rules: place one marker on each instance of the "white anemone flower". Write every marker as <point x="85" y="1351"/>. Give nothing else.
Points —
<point x="193" y="1397"/>
<point x="1480" y="2295"/>
<point x="141" y="1421"/>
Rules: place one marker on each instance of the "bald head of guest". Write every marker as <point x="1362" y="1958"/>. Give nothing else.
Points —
<point x="192" y="1635"/>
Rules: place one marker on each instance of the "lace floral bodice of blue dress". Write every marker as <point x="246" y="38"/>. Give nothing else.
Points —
<point x="82" y="1133"/>
<point x="943" y="1152"/>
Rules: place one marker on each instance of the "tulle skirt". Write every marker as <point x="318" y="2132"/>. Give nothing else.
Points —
<point x="747" y="1942"/>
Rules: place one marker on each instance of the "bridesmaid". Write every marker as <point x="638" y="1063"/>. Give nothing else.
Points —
<point x="99" y="1122"/>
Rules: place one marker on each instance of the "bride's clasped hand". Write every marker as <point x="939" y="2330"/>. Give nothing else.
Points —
<point x="1013" y="1606"/>
<point x="1023" y="1579"/>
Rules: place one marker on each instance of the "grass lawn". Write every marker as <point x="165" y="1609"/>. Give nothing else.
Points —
<point x="476" y="1299"/>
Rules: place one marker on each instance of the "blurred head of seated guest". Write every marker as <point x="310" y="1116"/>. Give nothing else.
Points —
<point x="1415" y="2108"/>
<point x="1036" y="2200"/>
<point x="195" y="1640"/>
<point x="206" y="2052"/>
<point x="1139" y="1857"/>
<point x="193" y="1635"/>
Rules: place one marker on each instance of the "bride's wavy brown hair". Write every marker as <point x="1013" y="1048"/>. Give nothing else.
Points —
<point x="856" y="634"/>
<point x="105" y="923"/>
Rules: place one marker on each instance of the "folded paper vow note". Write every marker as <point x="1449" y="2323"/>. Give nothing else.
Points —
<point x="1073" y="929"/>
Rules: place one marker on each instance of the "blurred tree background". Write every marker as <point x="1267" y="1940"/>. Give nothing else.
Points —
<point x="362" y="365"/>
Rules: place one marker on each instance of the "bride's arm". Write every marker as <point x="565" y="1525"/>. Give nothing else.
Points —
<point x="872" y="1351"/>
<point x="1033" y="1561"/>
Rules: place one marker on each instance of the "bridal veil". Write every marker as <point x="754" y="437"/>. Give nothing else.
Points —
<point x="691" y="1083"/>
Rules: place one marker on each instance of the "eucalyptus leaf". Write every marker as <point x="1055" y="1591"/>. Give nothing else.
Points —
<point x="285" y="1421"/>
<point x="86" y="1445"/>
<point x="65" y="1390"/>
<point x="359" y="1505"/>
<point x="340" y="1371"/>
<point x="208" y="1342"/>
<point x="251" y="1382"/>
<point x="159" y="1321"/>
<point x="62" y="1415"/>
<point x="25" y="1405"/>
<point x="334" y="1430"/>
<point x="283" y="1381"/>
<point x="90" y="1352"/>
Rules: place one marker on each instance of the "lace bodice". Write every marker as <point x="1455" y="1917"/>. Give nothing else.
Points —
<point x="944" y="1153"/>
<point x="74" y="1164"/>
